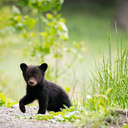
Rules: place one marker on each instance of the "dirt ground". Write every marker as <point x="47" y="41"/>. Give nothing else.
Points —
<point x="12" y="118"/>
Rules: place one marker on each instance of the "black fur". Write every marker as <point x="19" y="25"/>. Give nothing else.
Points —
<point x="50" y="96"/>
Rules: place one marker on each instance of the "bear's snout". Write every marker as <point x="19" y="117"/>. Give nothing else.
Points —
<point x="32" y="81"/>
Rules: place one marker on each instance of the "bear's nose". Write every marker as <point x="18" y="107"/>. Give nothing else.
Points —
<point x="31" y="82"/>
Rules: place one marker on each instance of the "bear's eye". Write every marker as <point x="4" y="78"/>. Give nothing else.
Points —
<point x="33" y="72"/>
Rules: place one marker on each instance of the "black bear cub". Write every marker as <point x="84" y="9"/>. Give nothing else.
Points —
<point x="50" y="96"/>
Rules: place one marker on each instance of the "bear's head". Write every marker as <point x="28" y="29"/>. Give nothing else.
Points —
<point x="33" y="75"/>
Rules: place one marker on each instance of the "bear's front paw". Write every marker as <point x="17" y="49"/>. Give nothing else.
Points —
<point x="22" y="108"/>
<point x="41" y="112"/>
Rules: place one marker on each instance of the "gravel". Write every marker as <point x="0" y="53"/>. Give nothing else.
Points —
<point x="14" y="118"/>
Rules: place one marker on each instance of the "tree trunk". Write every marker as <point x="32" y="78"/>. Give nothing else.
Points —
<point x="122" y="14"/>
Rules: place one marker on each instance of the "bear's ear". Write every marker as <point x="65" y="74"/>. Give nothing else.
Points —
<point x="43" y="67"/>
<point x="23" y="66"/>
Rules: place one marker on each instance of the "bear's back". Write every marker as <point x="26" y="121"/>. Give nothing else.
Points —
<point x="57" y="98"/>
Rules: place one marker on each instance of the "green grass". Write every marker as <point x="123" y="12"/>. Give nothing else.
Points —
<point x="108" y="89"/>
<point x="111" y="79"/>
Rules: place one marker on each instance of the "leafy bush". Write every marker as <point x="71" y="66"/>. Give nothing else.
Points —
<point x="42" y="41"/>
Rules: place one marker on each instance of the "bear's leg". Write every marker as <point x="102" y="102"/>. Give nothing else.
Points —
<point x="43" y="104"/>
<point x="24" y="101"/>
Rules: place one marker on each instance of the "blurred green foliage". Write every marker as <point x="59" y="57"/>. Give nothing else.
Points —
<point x="55" y="30"/>
<point x="5" y="101"/>
<point x="43" y="5"/>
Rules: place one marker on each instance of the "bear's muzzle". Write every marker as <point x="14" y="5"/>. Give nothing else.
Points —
<point x="32" y="81"/>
